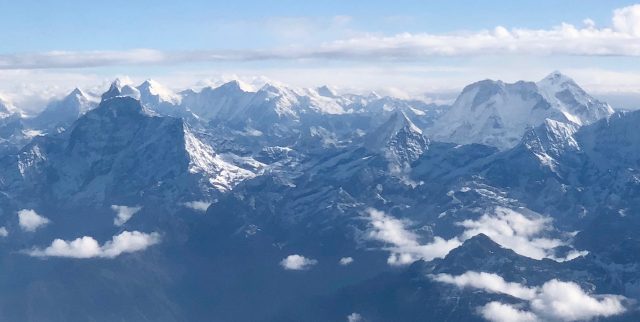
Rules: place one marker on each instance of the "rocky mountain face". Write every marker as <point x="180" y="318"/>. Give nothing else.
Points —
<point x="517" y="200"/>
<point x="119" y="152"/>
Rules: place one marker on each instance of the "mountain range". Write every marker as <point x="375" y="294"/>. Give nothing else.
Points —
<point x="518" y="202"/>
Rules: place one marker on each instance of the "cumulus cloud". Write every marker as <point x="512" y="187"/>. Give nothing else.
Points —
<point x="553" y="301"/>
<point x="88" y="247"/>
<point x="509" y="228"/>
<point x="403" y="244"/>
<point x="4" y="232"/>
<point x="627" y="20"/>
<point x="518" y="232"/>
<point x="297" y="262"/>
<point x="567" y="301"/>
<point x="500" y="312"/>
<point x="197" y="205"/>
<point x="123" y="214"/>
<point x="344" y="261"/>
<point x="30" y="221"/>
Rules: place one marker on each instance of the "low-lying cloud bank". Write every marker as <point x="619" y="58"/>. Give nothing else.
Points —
<point x="88" y="247"/>
<point x="553" y="301"/>
<point x="509" y="228"/>
<point x="621" y="38"/>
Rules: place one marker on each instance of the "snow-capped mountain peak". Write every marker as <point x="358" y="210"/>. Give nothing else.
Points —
<point x="121" y="87"/>
<point x="237" y="84"/>
<point x="398" y="138"/>
<point x="326" y="91"/>
<point x="152" y="90"/>
<point x="498" y="114"/>
<point x="564" y="94"/>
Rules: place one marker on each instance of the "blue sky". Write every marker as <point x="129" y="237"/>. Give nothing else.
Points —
<point x="402" y="47"/>
<point x="117" y="24"/>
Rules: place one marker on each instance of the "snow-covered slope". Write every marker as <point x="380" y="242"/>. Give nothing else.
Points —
<point x="220" y="103"/>
<point x="60" y="114"/>
<point x="119" y="151"/>
<point x="398" y="138"/>
<point x="498" y="114"/>
<point x="160" y="99"/>
<point x="565" y="95"/>
<point x="120" y="87"/>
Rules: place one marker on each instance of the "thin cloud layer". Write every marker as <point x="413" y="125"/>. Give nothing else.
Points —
<point x="553" y="301"/>
<point x="620" y="39"/>
<point x="123" y="214"/>
<point x="297" y="262"/>
<point x="29" y="220"/>
<point x="509" y="228"/>
<point x="88" y="247"/>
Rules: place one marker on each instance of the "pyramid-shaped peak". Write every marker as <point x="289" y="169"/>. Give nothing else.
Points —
<point x="76" y="92"/>
<point x="326" y="91"/>
<point x="236" y="85"/>
<point x="76" y="95"/>
<point x="556" y="77"/>
<point x="120" y="87"/>
<point x="273" y="88"/>
<point x="120" y="105"/>
<point x="401" y="120"/>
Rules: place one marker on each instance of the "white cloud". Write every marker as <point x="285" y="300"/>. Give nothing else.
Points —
<point x="4" y="232"/>
<point x="564" y="39"/>
<point x="567" y="301"/>
<point x="506" y="227"/>
<point x="123" y="214"/>
<point x="297" y="262"/>
<point x="30" y="221"/>
<point x="354" y="317"/>
<point x="553" y="301"/>
<point x="515" y="231"/>
<point x="198" y="205"/>
<point x="344" y="261"/>
<point x="627" y="20"/>
<point x="404" y="246"/>
<point x="88" y="247"/>
<point x="500" y="312"/>
<point x="489" y="282"/>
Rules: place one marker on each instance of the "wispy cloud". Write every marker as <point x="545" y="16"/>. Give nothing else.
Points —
<point x="507" y="227"/>
<point x="88" y="247"/>
<point x="403" y="244"/>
